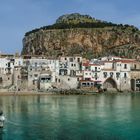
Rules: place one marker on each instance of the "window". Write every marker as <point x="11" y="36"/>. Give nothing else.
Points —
<point x="117" y="75"/>
<point x="36" y="75"/>
<point x="35" y="64"/>
<point x="105" y="74"/>
<point x="135" y="66"/>
<point x="96" y="76"/>
<point x="92" y="84"/>
<point x="56" y="80"/>
<point x="125" y="66"/>
<point x="68" y="79"/>
<point x="83" y="84"/>
<point x="88" y="84"/>
<point x="78" y="59"/>
<point x="125" y="75"/>
<point x="71" y="59"/>
<point x="95" y="68"/>
<point x="111" y="74"/>
<point x="86" y="68"/>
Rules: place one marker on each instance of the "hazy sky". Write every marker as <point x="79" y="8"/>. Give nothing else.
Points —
<point x="20" y="16"/>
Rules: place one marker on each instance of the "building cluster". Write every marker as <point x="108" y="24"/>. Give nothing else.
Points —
<point x="26" y="73"/>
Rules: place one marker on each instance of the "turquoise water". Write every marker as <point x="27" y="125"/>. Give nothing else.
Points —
<point x="101" y="117"/>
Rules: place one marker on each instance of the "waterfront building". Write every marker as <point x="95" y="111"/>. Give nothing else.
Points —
<point x="69" y="72"/>
<point x="111" y="73"/>
<point x="38" y="66"/>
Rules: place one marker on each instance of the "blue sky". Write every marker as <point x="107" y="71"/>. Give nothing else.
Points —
<point x="20" y="16"/>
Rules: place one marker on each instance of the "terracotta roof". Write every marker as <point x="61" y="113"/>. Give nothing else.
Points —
<point x="85" y="64"/>
<point x="122" y="61"/>
<point x="127" y="61"/>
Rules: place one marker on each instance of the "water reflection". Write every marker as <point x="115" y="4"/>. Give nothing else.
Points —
<point x="71" y="117"/>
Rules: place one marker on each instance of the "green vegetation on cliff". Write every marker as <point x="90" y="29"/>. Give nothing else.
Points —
<point x="76" y="20"/>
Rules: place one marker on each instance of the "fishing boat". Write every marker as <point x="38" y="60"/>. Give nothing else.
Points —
<point x="2" y="119"/>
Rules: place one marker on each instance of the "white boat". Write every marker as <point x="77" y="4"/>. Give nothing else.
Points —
<point x="2" y="119"/>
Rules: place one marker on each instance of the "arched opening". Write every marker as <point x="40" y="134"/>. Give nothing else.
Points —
<point x="133" y="84"/>
<point x="110" y="84"/>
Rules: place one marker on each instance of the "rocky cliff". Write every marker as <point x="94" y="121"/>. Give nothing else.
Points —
<point x="77" y="34"/>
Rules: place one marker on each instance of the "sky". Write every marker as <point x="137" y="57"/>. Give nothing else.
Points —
<point x="19" y="16"/>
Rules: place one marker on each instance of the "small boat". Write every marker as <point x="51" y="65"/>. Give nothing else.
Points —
<point x="2" y="119"/>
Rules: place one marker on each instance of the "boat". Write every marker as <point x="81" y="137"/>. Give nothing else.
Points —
<point x="2" y="119"/>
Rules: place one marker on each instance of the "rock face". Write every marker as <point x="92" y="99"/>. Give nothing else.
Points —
<point x="119" y="40"/>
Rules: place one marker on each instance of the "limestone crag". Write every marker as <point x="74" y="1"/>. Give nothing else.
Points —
<point x="117" y="40"/>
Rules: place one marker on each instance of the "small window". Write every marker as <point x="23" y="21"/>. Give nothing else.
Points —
<point x="125" y="75"/>
<point x="105" y="74"/>
<point x="117" y="75"/>
<point x="111" y="74"/>
<point x="88" y="84"/>
<point x="71" y="59"/>
<point x="78" y="59"/>
<point x="125" y="66"/>
<point x="68" y="79"/>
<point x="95" y="68"/>
<point x="36" y="75"/>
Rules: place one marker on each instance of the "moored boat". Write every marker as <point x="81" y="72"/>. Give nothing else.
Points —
<point x="2" y="119"/>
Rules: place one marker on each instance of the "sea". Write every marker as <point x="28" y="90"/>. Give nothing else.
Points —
<point x="83" y="117"/>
